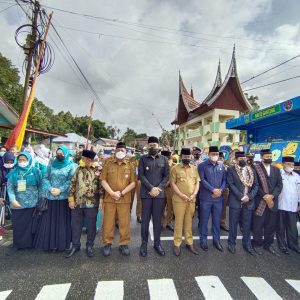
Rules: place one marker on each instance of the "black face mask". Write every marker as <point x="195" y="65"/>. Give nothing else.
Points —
<point x="242" y="163"/>
<point x="186" y="161"/>
<point x="60" y="157"/>
<point x="197" y="156"/>
<point x="250" y="161"/>
<point x="153" y="151"/>
<point x="268" y="161"/>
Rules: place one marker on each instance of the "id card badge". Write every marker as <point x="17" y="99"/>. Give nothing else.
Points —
<point x="21" y="185"/>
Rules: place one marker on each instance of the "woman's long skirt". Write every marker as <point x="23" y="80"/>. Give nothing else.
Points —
<point x="54" y="227"/>
<point x="22" y="220"/>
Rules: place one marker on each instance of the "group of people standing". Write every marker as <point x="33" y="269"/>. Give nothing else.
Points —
<point x="262" y="199"/>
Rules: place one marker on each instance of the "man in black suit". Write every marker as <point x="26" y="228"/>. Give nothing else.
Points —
<point x="243" y="186"/>
<point x="266" y="203"/>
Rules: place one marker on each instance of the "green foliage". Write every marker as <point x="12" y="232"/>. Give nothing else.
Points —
<point x="253" y="100"/>
<point x="129" y="137"/>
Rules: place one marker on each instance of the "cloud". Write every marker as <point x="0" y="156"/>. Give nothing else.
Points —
<point x="135" y="69"/>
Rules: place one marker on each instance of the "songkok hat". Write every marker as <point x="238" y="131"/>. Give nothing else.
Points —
<point x="213" y="149"/>
<point x="185" y="151"/>
<point x="153" y="139"/>
<point x="265" y="151"/>
<point x="239" y="154"/>
<point x="288" y="159"/>
<point x="121" y="145"/>
<point x="88" y="154"/>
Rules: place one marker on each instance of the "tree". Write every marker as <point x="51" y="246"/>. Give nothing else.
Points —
<point x="129" y="137"/>
<point x="167" y="138"/>
<point x="10" y="88"/>
<point x="113" y="132"/>
<point x="253" y="100"/>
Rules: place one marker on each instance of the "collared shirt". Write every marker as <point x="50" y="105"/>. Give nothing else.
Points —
<point x="85" y="181"/>
<point x="289" y="198"/>
<point x="186" y="179"/>
<point x="212" y="177"/>
<point x="268" y="168"/>
<point x="118" y="176"/>
<point x="153" y="172"/>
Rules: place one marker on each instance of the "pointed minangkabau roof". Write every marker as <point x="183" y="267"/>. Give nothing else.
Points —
<point x="232" y="73"/>
<point x="217" y="84"/>
<point x="189" y="102"/>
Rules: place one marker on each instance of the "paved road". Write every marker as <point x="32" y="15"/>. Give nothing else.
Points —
<point x="211" y="275"/>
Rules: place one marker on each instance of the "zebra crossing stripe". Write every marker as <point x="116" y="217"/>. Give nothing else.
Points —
<point x="294" y="283"/>
<point x="260" y="288"/>
<point x="54" y="292"/>
<point x="162" y="289"/>
<point x="107" y="290"/>
<point x="212" y="288"/>
<point x="4" y="294"/>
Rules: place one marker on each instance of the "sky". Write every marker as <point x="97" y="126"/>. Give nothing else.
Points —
<point x="132" y="54"/>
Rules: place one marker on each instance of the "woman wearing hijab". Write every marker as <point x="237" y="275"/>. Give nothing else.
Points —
<point x="54" y="229"/>
<point x="8" y="165"/>
<point x="42" y="157"/>
<point x="23" y="187"/>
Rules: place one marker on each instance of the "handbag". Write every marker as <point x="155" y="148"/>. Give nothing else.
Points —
<point x="42" y="205"/>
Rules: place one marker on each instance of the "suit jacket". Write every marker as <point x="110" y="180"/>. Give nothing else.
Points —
<point x="274" y="183"/>
<point x="236" y="189"/>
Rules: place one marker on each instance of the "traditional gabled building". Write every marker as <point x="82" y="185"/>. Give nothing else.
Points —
<point x="202" y="124"/>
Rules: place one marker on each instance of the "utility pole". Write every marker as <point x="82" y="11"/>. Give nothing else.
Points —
<point x="32" y="41"/>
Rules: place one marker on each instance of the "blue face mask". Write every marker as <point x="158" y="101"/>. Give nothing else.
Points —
<point x="2" y="153"/>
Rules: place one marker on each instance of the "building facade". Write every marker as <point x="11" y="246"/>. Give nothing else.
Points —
<point x="203" y="124"/>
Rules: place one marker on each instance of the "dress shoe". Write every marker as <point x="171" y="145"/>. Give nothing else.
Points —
<point x="296" y="249"/>
<point x="258" y="250"/>
<point x="225" y="228"/>
<point x="143" y="250"/>
<point x="271" y="250"/>
<point x="203" y="245"/>
<point x="11" y="251"/>
<point x="218" y="246"/>
<point x="231" y="248"/>
<point x="176" y="251"/>
<point x="250" y="250"/>
<point x="106" y="251"/>
<point x="117" y="225"/>
<point x="159" y="250"/>
<point x="90" y="252"/>
<point x="139" y="220"/>
<point x="71" y="252"/>
<point x="124" y="250"/>
<point x="170" y="227"/>
<point x="192" y="249"/>
<point x="285" y="251"/>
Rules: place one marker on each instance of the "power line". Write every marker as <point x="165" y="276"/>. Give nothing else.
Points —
<point x="272" y="83"/>
<point x="150" y="27"/>
<point x="264" y="72"/>
<point x="3" y="10"/>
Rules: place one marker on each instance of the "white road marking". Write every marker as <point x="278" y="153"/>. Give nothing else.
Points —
<point x="162" y="289"/>
<point x="151" y="230"/>
<point x="4" y="294"/>
<point x="223" y="237"/>
<point x="54" y="292"/>
<point x="260" y="288"/>
<point x="294" y="283"/>
<point x="107" y="290"/>
<point x="212" y="288"/>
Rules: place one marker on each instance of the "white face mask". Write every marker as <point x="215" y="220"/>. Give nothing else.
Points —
<point x="214" y="157"/>
<point x="289" y="169"/>
<point x="120" y="155"/>
<point x="220" y="162"/>
<point x="23" y="164"/>
<point x="8" y="166"/>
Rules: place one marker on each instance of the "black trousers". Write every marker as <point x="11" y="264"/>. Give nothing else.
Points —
<point x="287" y="233"/>
<point x="77" y="219"/>
<point x="152" y="207"/>
<point x="243" y="215"/>
<point x="264" y="225"/>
